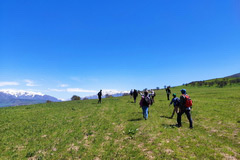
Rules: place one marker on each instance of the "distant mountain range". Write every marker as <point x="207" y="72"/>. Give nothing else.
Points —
<point x="20" y="97"/>
<point x="113" y="93"/>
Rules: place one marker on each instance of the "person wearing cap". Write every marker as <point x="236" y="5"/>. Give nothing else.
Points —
<point x="175" y="101"/>
<point x="145" y="103"/>
<point x="184" y="109"/>
<point x="100" y="96"/>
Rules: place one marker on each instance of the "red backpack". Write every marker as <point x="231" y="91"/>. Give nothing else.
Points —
<point x="188" y="101"/>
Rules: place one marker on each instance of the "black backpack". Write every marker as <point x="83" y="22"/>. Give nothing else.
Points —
<point x="177" y="102"/>
<point x="147" y="101"/>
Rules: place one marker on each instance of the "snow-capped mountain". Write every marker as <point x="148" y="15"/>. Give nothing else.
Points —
<point x="9" y="97"/>
<point x="114" y="93"/>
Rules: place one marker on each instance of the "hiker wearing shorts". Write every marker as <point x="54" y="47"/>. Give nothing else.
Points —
<point x="135" y="94"/>
<point x="185" y="107"/>
<point x="100" y="96"/>
<point x="175" y="101"/>
<point x="145" y="103"/>
<point x="168" y="91"/>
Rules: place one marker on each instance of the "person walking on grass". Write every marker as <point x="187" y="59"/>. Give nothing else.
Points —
<point x="168" y="91"/>
<point x="100" y="96"/>
<point x="131" y="93"/>
<point x="153" y="94"/>
<point x="135" y="94"/>
<point x="185" y="107"/>
<point x="145" y="103"/>
<point x="175" y="101"/>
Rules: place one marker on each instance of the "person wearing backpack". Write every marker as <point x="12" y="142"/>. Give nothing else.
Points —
<point x="145" y="103"/>
<point x="185" y="107"/>
<point x="100" y="96"/>
<point x="135" y="94"/>
<point x="175" y="101"/>
<point x="168" y="91"/>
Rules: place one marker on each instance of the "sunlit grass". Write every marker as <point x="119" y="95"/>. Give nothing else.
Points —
<point x="115" y="129"/>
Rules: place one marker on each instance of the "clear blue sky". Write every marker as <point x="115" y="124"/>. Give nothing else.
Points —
<point x="71" y="47"/>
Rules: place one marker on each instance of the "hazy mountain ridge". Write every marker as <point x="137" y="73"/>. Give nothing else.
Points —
<point x="113" y="93"/>
<point x="20" y="97"/>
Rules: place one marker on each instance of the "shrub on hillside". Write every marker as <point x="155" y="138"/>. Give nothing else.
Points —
<point x="125" y="94"/>
<point x="108" y="96"/>
<point x="48" y="101"/>
<point x="75" y="98"/>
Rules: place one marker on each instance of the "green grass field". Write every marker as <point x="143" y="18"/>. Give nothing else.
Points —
<point x="115" y="129"/>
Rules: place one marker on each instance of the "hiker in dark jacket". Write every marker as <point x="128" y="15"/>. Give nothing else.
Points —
<point x="175" y="101"/>
<point x="135" y="94"/>
<point x="100" y="96"/>
<point x="131" y="93"/>
<point x="153" y="94"/>
<point x="168" y="91"/>
<point x="145" y="103"/>
<point x="184" y="109"/>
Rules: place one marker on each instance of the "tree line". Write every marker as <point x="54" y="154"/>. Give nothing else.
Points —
<point x="217" y="82"/>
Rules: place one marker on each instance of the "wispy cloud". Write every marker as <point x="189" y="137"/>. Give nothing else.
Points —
<point x="80" y="90"/>
<point x="64" y="85"/>
<point x="56" y="90"/>
<point x="29" y="83"/>
<point x="8" y="84"/>
<point x="75" y="79"/>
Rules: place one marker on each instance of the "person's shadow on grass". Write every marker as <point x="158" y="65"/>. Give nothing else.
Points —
<point x="166" y="117"/>
<point x="169" y="125"/>
<point x="135" y="119"/>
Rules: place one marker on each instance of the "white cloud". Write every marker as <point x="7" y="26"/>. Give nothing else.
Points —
<point x="57" y="90"/>
<point x="72" y="90"/>
<point x="29" y="83"/>
<point x="64" y="85"/>
<point x="8" y="84"/>
<point x="112" y="91"/>
<point x="80" y="90"/>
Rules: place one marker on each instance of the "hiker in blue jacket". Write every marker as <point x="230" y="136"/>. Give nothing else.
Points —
<point x="184" y="108"/>
<point x="175" y="101"/>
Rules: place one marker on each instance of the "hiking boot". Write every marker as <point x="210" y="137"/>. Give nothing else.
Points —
<point x="177" y="125"/>
<point x="191" y="127"/>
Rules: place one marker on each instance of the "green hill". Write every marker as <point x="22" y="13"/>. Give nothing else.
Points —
<point x="115" y="129"/>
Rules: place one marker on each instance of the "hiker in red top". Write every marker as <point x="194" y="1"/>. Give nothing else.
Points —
<point x="185" y="107"/>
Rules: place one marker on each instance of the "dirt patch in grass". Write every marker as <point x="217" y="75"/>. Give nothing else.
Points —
<point x="228" y="157"/>
<point x="44" y="136"/>
<point x="147" y="153"/>
<point x="168" y="151"/>
<point x="20" y="148"/>
<point x="33" y="158"/>
<point x="73" y="147"/>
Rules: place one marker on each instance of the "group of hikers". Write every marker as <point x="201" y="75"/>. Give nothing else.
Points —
<point x="181" y="105"/>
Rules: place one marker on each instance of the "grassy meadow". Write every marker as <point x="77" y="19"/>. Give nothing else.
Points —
<point x="115" y="129"/>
